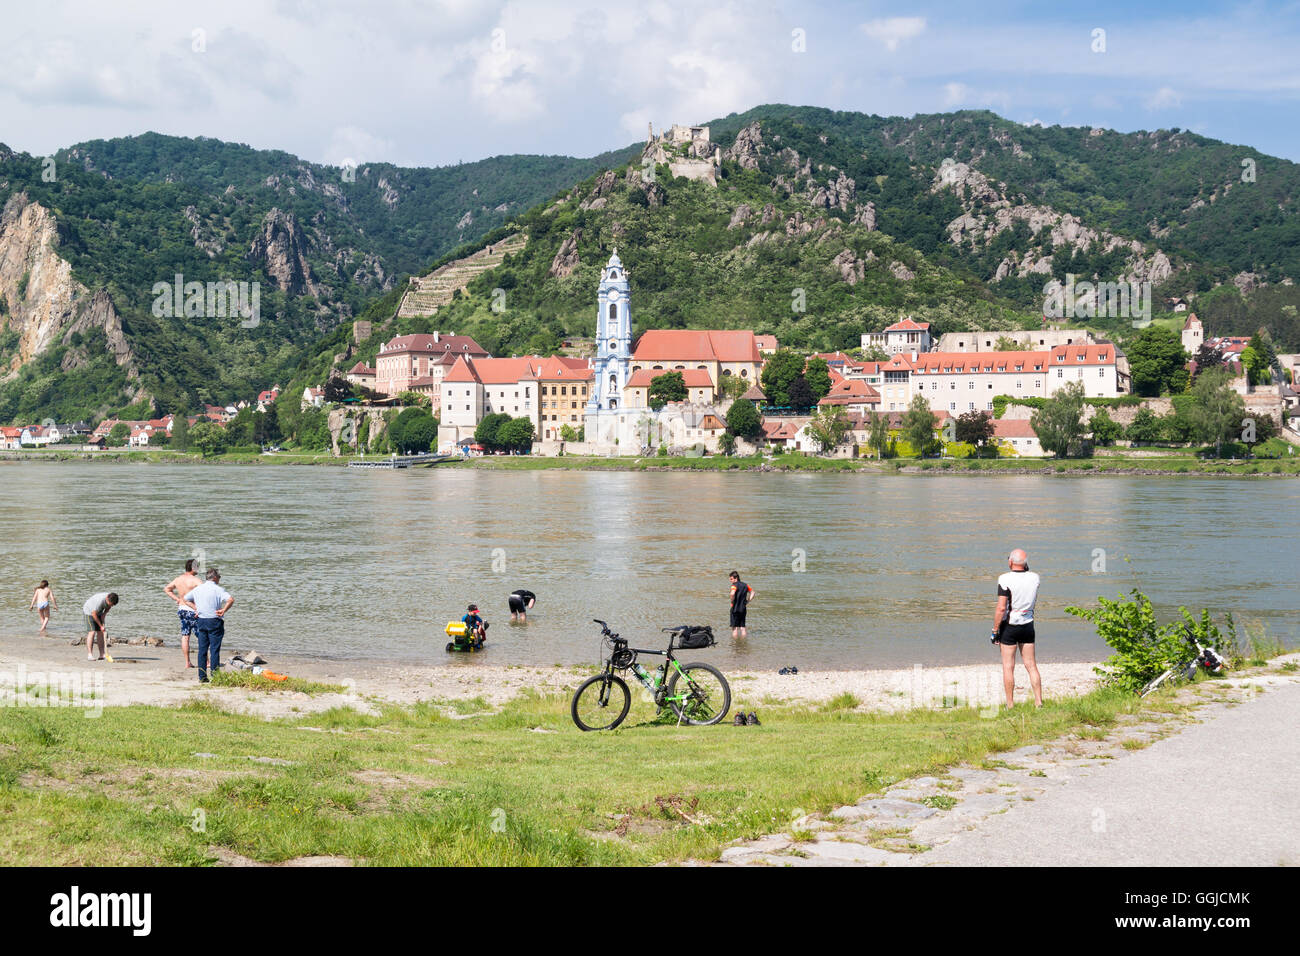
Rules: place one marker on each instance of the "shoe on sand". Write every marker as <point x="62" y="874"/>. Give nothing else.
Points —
<point x="752" y="720"/>
<point x="740" y="720"/>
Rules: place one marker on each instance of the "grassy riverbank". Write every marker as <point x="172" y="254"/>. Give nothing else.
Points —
<point x="458" y="782"/>
<point x="1171" y="462"/>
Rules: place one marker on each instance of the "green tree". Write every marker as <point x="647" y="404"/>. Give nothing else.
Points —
<point x="801" y="394"/>
<point x="516" y="434"/>
<point x="918" y="425"/>
<point x="118" y="434"/>
<point x="1145" y="427"/>
<point x="828" y="427"/>
<point x="780" y="370"/>
<point x="208" y="438"/>
<point x="1216" y="411"/>
<point x="733" y="386"/>
<point x="818" y="376"/>
<point x="743" y="420"/>
<point x="413" y="431"/>
<point x="1157" y="361"/>
<point x="181" y="433"/>
<point x="878" y="435"/>
<point x="543" y="343"/>
<point x="1058" y="423"/>
<point x="1104" y="428"/>
<point x="974" y="428"/>
<point x="665" y="388"/>
<point x="486" y="432"/>
<point x="569" y="433"/>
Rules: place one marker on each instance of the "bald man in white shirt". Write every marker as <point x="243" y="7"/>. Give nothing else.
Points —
<point x="1013" y="624"/>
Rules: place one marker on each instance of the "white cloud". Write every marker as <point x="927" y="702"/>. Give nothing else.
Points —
<point x="892" y="31"/>
<point x="1163" y="99"/>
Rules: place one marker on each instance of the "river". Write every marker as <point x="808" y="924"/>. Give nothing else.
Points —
<point x="850" y="571"/>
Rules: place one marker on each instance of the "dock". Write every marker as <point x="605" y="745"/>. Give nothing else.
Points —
<point x="404" y="461"/>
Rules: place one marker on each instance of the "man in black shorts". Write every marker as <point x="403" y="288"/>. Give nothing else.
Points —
<point x="520" y="602"/>
<point x="741" y="595"/>
<point x="1013" y="624"/>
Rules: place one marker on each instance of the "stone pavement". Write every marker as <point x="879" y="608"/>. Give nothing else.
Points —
<point x="1218" y="786"/>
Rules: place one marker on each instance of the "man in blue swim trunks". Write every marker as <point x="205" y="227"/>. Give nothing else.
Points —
<point x="177" y="590"/>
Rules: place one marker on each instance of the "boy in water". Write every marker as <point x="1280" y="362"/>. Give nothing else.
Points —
<point x="43" y="601"/>
<point x="475" y="626"/>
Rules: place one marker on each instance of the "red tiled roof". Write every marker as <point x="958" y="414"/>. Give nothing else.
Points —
<point x="453" y="344"/>
<point x="1083" y="355"/>
<point x="780" y="431"/>
<point x="766" y="342"/>
<point x="567" y="369"/>
<point x="851" y="391"/>
<point x="693" y="377"/>
<point x="908" y="325"/>
<point x="1013" y="428"/>
<point x="697" y="346"/>
<point x="361" y="368"/>
<point x="755" y="394"/>
<point x="934" y="363"/>
<point x="492" y="371"/>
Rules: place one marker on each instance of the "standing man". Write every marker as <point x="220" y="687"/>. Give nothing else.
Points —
<point x="741" y="595"/>
<point x="520" y="602"/>
<point x="209" y="602"/>
<point x="96" y="614"/>
<point x="180" y="586"/>
<point x="1013" y="624"/>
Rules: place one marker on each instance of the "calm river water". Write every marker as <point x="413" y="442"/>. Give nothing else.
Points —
<point x="850" y="571"/>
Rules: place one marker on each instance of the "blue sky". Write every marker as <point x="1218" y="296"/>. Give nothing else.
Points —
<point x="429" y="83"/>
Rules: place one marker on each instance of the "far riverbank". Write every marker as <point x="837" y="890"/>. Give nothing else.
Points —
<point x="1146" y="463"/>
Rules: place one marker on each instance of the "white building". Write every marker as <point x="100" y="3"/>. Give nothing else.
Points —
<point x="1041" y="339"/>
<point x="905" y="336"/>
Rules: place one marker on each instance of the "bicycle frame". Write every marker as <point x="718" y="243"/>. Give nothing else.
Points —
<point x="657" y="689"/>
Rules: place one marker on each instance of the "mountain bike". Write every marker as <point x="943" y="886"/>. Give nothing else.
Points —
<point x="697" y="693"/>
<point x="1203" y="656"/>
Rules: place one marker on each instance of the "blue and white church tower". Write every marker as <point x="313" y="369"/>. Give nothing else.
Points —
<point x="613" y="339"/>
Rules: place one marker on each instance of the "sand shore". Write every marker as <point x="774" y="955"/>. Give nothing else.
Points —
<point x="157" y="676"/>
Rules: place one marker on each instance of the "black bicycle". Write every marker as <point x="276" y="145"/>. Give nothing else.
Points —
<point x="697" y="693"/>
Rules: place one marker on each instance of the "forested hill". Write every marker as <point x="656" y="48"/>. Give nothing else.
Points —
<point x="128" y="213"/>
<point x="825" y="224"/>
<point x="821" y="225"/>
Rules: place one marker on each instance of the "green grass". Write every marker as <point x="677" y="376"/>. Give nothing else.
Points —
<point x="418" y="786"/>
<point x="233" y="678"/>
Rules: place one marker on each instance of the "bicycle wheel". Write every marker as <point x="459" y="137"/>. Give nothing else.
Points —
<point x="704" y="696"/>
<point x="601" y="702"/>
<point x="1160" y="681"/>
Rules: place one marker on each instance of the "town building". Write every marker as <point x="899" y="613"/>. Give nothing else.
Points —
<point x="1193" y="335"/>
<point x="564" y="387"/>
<point x="905" y="336"/>
<point x="361" y="375"/>
<point x="404" y="360"/>
<point x="1040" y="339"/>
<point x="720" y="353"/>
<point x="699" y="386"/>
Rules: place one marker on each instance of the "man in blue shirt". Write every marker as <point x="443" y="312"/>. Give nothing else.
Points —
<point x="210" y="602"/>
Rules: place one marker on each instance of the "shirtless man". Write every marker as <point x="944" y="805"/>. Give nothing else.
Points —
<point x="177" y="589"/>
<point x="43" y="601"/>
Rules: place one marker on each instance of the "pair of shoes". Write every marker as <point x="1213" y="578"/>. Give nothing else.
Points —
<point x="740" y="720"/>
<point x="752" y="720"/>
<point x="788" y="670"/>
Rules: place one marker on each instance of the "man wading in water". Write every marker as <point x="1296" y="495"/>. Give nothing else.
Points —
<point x="1013" y="624"/>
<point x="177" y="589"/>
<point x="741" y="595"/>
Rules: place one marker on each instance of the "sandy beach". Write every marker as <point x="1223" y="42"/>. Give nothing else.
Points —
<point x="157" y="676"/>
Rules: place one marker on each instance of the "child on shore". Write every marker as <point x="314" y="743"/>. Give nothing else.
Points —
<point x="43" y="602"/>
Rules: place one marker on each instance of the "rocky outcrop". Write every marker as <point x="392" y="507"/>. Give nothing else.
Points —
<point x="901" y="271"/>
<point x="989" y="211"/>
<point x="204" y="239"/>
<point x="281" y="249"/>
<point x="851" y="268"/>
<point x="43" y="303"/>
<point x="866" y="216"/>
<point x="738" y="216"/>
<point x="747" y="147"/>
<point x="837" y="194"/>
<point x="566" y="258"/>
<point x="603" y="187"/>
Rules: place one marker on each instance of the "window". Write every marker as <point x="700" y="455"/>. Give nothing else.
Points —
<point x="1101" y="373"/>
<point x="1038" y="383"/>
<point x="990" y="406"/>
<point x="971" y="384"/>
<point x="952" y="406"/>
<point x="952" y="386"/>
<point x="613" y="311"/>
<point x="1017" y="385"/>
<point x="971" y="406"/>
<point x="1060" y="373"/>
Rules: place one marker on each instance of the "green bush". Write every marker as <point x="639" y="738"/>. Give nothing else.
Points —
<point x="1143" y="647"/>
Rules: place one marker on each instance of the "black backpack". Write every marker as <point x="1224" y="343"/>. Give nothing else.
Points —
<point x="694" y="637"/>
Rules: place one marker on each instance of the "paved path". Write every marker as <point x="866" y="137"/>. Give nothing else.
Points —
<point x="1222" y="790"/>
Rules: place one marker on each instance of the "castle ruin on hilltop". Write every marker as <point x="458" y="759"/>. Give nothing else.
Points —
<point x="686" y="150"/>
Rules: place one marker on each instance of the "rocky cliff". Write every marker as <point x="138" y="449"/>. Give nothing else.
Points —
<point x="41" y="304"/>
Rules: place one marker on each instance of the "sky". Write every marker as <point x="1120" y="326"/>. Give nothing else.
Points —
<point x="434" y="82"/>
